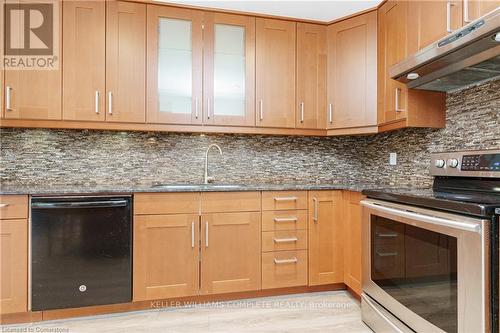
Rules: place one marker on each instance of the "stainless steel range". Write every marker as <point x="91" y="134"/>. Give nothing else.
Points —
<point x="430" y="257"/>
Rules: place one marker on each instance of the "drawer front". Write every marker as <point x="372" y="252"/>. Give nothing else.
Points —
<point x="166" y="203"/>
<point x="284" y="269"/>
<point x="284" y="220"/>
<point x="284" y="240"/>
<point x="13" y="206"/>
<point x="221" y="202"/>
<point x="284" y="200"/>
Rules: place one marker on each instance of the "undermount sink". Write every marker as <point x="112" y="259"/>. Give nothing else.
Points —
<point x="197" y="186"/>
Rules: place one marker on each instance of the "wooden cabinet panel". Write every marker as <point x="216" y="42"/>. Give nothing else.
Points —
<point x="166" y="203"/>
<point x="231" y="248"/>
<point x="84" y="49"/>
<point x="275" y="73"/>
<point x="284" y="269"/>
<point x="284" y="240"/>
<point x="2" y="71"/>
<point x="215" y="202"/>
<point x="125" y="62"/>
<point x="284" y="220"/>
<point x="325" y="237"/>
<point x="165" y="256"/>
<point x="352" y="240"/>
<point x="474" y="9"/>
<point x="311" y="76"/>
<point x="284" y="200"/>
<point x="352" y="72"/>
<point x="13" y="266"/>
<point x="175" y="77"/>
<point x="229" y="70"/>
<point x="13" y="206"/>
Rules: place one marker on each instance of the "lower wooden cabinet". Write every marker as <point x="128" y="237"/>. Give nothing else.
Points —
<point x="352" y="240"/>
<point x="325" y="237"/>
<point x="284" y="269"/>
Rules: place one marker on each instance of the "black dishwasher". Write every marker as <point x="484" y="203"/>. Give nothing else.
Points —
<point x="80" y="251"/>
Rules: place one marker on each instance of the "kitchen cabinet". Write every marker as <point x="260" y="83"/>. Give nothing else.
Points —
<point x="352" y="240"/>
<point x="229" y="69"/>
<point x="282" y="269"/>
<point x="175" y="57"/>
<point x="352" y="75"/>
<point x="325" y="237"/>
<point x="125" y="62"/>
<point x="474" y="9"/>
<point x="311" y="76"/>
<point x="34" y="94"/>
<point x="275" y="73"/>
<point x="2" y="71"/>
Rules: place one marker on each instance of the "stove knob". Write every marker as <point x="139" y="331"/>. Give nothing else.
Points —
<point x="439" y="163"/>
<point x="452" y="163"/>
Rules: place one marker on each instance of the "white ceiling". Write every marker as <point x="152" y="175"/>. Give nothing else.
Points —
<point x="317" y="10"/>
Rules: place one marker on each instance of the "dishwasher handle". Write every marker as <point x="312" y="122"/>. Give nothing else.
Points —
<point x="80" y="204"/>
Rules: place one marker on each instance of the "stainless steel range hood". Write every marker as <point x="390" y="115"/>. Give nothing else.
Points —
<point x="465" y="57"/>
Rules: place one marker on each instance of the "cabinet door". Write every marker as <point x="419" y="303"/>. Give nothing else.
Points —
<point x="311" y="76"/>
<point x="174" y="44"/>
<point x="474" y="9"/>
<point x="275" y="73"/>
<point x="231" y="252"/>
<point x="165" y="256"/>
<point x="352" y="240"/>
<point x="229" y="70"/>
<point x="325" y="237"/>
<point x="2" y="71"/>
<point x="84" y="60"/>
<point x="352" y="53"/>
<point x="13" y="266"/>
<point x="34" y="94"/>
<point x="431" y="20"/>
<point x="125" y="61"/>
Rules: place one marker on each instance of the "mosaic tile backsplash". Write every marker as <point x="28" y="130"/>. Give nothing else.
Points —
<point x="63" y="157"/>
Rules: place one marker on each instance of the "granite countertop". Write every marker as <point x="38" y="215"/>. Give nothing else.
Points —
<point x="111" y="189"/>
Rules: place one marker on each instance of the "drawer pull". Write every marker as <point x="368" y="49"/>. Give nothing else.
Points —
<point x="285" y="199"/>
<point x="387" y="235"/>
<point x="2" y="205"/>
<point x="285" y="219"/>
<point x="387" y="254"/>
<point x="285" y="240"/>
<point x="285" y="261"/>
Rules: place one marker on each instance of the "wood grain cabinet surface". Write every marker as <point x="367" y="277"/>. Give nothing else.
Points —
<point x="352" y="240"/>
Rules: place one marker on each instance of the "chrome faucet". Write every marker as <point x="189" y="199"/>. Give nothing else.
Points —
<point x="206" y="178"/>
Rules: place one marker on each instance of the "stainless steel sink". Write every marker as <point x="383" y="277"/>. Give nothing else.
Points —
<point x="197" y="186"/>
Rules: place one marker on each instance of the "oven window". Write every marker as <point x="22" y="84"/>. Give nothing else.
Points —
<point x="418" y="268"/>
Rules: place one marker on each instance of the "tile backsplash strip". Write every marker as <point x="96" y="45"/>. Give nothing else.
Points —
<point x="42" y="156"/>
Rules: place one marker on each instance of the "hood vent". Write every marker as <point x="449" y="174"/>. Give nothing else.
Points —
<point x="466" y="57"/>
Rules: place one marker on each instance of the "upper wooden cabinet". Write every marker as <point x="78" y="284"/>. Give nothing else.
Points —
<point x="175" y="51"/>
<point x="275" y="73"/>
<point x="84" y="51"/>
<point x="125" y="62"/>
<point x="311" y="76"/>
<point x="229" y="69"/>
<point x="474" y="9"/>
<point x="352" y="74"/>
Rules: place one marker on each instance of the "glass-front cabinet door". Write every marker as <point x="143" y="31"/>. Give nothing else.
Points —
<point x="175" y="45"/>
<point x="229" y="70"/>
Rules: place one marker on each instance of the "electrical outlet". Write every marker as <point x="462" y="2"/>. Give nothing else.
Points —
<point x="393" y="159"/>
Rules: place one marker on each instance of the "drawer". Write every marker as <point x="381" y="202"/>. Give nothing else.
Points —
<point x="284" y="200"/>
<point x="13" y="206"/>
<point x="166" y="203"/>
<point x="221" y="202"/>
<point x="284" y="240"/>
<point x="284" y="269"/>
<point x="284" y="220"/>
<point x="390" y="233"/>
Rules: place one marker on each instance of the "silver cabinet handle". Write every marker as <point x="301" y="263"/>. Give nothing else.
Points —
<point x="285" y="261"/>
<point x="206" y="234"/>
<point x="315" y="212"/>
<point x="330" y="113"/>
<point x="8" y="98"/>
<point x="285" y="219"/>
<point x="96" y="102"/>
<point x="448" y="16"/>
<point x="110" y="102"/>
<point x="261" y="108"/>
<point x="301" y="112"/>
<point x="387" y="254"/>
<point x="285" y="240"/>
<point x="196" y="107"/>
<point x="285" y="199"/>
<point x="387" y="235"/>
<point x="396" y="102"/>
<point x="466" y="11"/>
<point x="208" y="108"/>
<point x="192" y="235"/>
<point x="2" y="205"/>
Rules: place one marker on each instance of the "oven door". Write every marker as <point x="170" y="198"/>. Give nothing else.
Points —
<point x="427" y="268"/>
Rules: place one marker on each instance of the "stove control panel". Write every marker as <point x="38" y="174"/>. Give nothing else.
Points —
<point x="485" y="163"/>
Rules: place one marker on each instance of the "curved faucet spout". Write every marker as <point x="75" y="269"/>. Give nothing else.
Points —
<point x="206" y="178"/>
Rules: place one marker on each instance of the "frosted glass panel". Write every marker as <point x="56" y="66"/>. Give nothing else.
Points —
<point x="229" y="70"/>
<point x="174" y="66"/>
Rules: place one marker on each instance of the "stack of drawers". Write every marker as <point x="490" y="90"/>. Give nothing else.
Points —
<point x="284" y="239"/>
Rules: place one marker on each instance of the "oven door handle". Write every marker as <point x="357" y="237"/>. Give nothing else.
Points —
<point x="462" y="225"/>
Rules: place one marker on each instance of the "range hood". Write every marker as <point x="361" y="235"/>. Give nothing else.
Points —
<point x="465" y="57"/>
